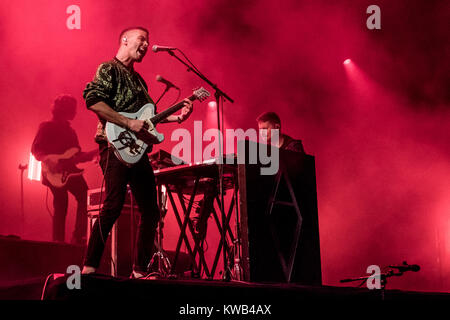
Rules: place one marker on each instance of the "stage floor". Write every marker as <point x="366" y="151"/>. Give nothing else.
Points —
<point x="209" y="299"/>
<point x="175" y="291"/>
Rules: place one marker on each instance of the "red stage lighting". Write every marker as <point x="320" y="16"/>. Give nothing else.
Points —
<point x="34" y="169"/>
<point x="212" y="104"/>
<point x="347" y="61"/>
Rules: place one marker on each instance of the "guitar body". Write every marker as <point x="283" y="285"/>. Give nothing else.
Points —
<point x="55" y="172"/>
<point x="128" y="147"/>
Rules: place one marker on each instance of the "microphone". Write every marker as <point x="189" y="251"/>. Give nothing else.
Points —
<point x="157" y="48"/>
<point x="166" y="82"/>
<point x="406" y="267"/>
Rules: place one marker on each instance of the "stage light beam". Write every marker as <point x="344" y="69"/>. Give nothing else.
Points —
<point x="212" y="104"/>
<point x="34" y="169"/>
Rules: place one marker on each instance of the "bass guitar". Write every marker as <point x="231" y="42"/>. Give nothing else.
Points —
<point x="58" y="168"/>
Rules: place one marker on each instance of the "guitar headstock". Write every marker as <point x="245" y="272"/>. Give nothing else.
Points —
<point x="201" y="94"/>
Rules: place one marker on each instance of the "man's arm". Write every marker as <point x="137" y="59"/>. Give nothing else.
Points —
<point x="38" y="145"/>
<point x="43" y="144"/>
<point x="107" y="113"/>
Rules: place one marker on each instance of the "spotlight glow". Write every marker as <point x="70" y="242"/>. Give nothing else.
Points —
<point x="347" y="61"/>
<point x="212" y="104"/>
<point x="34" y="169"/>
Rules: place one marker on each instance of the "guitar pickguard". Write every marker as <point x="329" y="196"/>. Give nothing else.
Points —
<point x="128" y="146"/>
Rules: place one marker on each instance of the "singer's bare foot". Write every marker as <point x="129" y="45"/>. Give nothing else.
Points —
<point x="87" y="270"/>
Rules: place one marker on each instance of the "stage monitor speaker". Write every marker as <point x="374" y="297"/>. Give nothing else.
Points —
<point x="279" y="218"/>
<point x="117" y="259"/>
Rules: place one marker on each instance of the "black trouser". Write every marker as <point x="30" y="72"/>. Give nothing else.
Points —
<point x="77" y="186"/>
<point x="141" y="179"/>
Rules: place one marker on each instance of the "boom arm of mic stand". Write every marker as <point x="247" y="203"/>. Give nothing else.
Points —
<point x="218" y="91"/>
<point x="353" y="279"/>
<point x="383" y="276"/>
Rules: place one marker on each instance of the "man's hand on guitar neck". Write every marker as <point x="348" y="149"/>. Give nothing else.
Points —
<point x="187" y="109"/>
<point x="185" y="112"/>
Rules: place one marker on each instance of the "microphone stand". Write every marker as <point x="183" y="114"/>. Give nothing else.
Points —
<point x="220" y="96"/>
<point x="22" y="168"/>
<point x="162" y="95"/>
<point x="383" y="279"/>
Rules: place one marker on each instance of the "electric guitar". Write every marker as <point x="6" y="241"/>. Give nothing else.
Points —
<point x="58" y="168"/>
<point x="129" y="147"/>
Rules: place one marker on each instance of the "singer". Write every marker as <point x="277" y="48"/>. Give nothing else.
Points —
<point x="118" y="87"/>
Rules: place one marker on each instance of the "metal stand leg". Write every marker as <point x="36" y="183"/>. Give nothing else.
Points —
<point x="164" y="265"/>
<point x="237" y="269"/>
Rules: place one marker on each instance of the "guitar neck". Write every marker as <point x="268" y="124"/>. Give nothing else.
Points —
<point x="164" y="114"/>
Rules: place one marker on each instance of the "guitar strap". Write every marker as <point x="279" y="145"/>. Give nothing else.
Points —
<point x="150" y="147"/>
